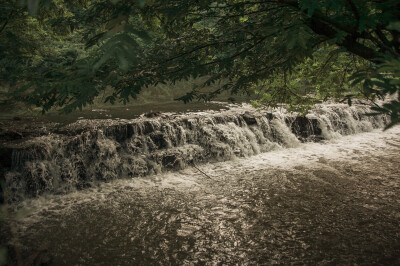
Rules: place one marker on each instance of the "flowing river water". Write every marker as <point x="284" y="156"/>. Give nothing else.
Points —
<point x="277" y="200"/>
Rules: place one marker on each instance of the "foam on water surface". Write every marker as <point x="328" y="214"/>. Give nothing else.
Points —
<point x="89" y="151"/>
<point x="305" y="204"/>
<point x="310" y="155"/>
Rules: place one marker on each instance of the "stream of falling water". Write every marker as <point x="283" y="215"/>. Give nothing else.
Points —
<point x="332" y="202"/>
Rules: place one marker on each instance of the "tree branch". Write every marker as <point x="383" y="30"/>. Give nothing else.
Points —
<point x="194" y="50"/>
<point x="355" y="12"/>
<point x="381" y="36"/>
<point x="350" y="42"/>
<point x="321" y="17"/>
<point x="322" y="25"/>
<point x="4" y="25"/>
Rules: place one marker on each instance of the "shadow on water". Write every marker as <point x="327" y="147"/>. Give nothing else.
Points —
<point x="125" y="112"/>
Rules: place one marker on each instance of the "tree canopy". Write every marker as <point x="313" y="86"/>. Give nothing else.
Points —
<point x="63" y="54"/>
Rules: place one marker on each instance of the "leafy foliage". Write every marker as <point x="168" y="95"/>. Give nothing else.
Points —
<point x="379" y="82"/>
<point x="321" y="77"/>
<point x="289" y="51"/>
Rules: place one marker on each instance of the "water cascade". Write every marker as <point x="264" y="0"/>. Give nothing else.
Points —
<point x="89" y="151"/>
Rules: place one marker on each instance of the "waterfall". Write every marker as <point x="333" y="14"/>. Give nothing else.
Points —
<point x="88" y="151"/>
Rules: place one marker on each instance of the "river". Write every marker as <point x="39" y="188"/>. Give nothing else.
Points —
<point x="335" y="201"/>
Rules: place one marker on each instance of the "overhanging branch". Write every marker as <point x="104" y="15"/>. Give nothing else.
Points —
<point x="323" y="25"/>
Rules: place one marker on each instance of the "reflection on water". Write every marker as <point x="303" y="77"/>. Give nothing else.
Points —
<point x="125" y="112"/>
<point x="131" y="112"/>
<point x="326" y="203"/>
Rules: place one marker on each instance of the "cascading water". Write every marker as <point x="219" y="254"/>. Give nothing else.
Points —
<point x="88" y="151"/>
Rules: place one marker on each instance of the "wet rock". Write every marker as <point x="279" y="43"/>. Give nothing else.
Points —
<point x="81" y="169"/>
<point x="159" y="140"/>
<point x="39" y="257"/>
<point x="219" y="119"/>
<point x="36" y="257"/>
<point x="10" y="135"/>
<point x="148" y="127"/>
<point x="269" y="116"/>
<point x="304" y="127"/>
<point x="129" y="130"/>
<point x="5" y="157"/>
<point x="171" y="161"/>
<point x="190" y="123"/>
<point x="33" y="152"/>
<point x="152" y="114"/>
<point x="249" y="118"/>
<point x="120" y="132"/>
<point x="3" y="181"/>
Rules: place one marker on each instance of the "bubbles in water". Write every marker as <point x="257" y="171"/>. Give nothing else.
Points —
<point x="88" y="151"/>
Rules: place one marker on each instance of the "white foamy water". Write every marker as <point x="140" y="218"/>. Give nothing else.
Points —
<point x="312" y="155"/>
<point x="90" y="151"/>
<point x="276" y="199"/>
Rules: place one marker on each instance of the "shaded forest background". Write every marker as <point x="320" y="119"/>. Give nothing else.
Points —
<point x="65" y="55"/>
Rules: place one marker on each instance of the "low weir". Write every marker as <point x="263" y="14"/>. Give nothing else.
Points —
<point x="88" y="151"/>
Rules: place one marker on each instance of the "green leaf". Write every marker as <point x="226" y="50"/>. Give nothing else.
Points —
<point x="143" y="34"/>
<point x="334" y="4"/>
<point x="3" y="256"/>
<point x="395" y="25"/>
<point x="141" y="3"/>
<point x="340" y="36"/>
<point x="122" y="62"/>
<point x="33" y="7"/>
<point x="310" y="6"/>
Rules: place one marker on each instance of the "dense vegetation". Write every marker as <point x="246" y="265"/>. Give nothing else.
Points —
<point x="63" y="54"/>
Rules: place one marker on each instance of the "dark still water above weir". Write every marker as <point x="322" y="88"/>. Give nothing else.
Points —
<point x="230" y="187"/>
<point x="119" y="112"/>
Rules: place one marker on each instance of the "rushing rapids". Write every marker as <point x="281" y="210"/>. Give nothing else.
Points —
<point x="87" y="151"/>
